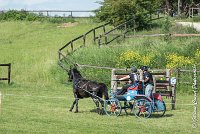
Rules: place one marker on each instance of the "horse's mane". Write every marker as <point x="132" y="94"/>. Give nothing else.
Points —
<point x="77" y="72"/>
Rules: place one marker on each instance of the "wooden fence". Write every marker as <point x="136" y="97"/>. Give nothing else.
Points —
<point x="9" y="72"/>
<point x="185" y="77"/>
<point x="192" y="10"/>
<point x="72" y="46"/>
<point x="119" y="31"/>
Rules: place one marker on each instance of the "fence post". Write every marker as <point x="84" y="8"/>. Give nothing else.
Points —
<point x="71" y="14"/>
<point x="173" y="96"/>
<point x="134" y="26"/>
<point x="59" y="56"/>
<point x="113" y="83"/>
<point x="168" y="77"/>
<point x="194" y="86"/>
<point x="199" y="11"/>
<point x="99" y="41"/>
<point x="9" y="72"/>
<point x="105" y="36"/>
<point x="94" y="35"/>
<point x="72" y="46"/>
<point x="178" y="77"/>
<point x="106" y="39"/>
<point x="104" y="29"/>
<point x="84" y="37"/>
<point x="192" y="12"/>
<point x="125" y="27"/>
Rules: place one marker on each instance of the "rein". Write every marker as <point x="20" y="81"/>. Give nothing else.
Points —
<point x="79" y="80"/>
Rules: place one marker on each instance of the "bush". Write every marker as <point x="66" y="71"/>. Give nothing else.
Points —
<point x="14" y="15"/>
<point x="18" y="15"/>
<point x="118" y="11"/>
<point x="196" y="19"/>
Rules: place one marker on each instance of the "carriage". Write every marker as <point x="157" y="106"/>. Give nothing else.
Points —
<point x="136" y="102"/>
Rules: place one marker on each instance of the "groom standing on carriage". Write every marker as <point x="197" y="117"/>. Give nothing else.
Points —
<point x="148" y="81"/>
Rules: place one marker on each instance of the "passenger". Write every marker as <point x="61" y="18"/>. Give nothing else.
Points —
<point x="133" y="79"/>
<point x="148" y="81"/>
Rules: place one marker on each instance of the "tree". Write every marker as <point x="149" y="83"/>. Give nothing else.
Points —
<point x="117" y="11"/>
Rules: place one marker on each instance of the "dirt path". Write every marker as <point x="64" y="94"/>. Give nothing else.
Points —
<point x="195" y="25"/>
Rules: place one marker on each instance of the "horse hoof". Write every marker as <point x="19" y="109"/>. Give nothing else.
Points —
<point x="76" y="112"/>
<point x="70" y="110"/>
<point x="100" y="112"/>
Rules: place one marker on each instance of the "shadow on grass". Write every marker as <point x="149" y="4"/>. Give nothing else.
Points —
<point x="164" y="116"/>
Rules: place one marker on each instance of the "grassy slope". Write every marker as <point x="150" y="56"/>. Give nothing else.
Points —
<point x="36" y="101"/>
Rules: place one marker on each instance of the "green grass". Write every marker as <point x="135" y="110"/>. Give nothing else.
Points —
<point x="45" y="110"/>
<point x="38" y="99"/>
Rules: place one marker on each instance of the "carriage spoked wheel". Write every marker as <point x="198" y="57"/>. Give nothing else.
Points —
<point x="112" y="107"/>
<point x="128" y="107"/>
<point x="159" y="108"/>
<point x="142" y="108"/>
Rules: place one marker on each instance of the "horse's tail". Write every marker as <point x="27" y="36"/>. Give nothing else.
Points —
<point x="105" y="90"/>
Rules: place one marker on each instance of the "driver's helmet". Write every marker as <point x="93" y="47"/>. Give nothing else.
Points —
<point x="144" y="68"/>
<point x="133" y="69"/>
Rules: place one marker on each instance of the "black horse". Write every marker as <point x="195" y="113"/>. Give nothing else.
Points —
<point x="83" y="88"/>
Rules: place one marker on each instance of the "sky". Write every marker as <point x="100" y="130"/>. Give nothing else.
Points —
<point x="49" y="4"/>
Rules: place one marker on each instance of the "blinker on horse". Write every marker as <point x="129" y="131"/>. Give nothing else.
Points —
<point x="83" y="88"/>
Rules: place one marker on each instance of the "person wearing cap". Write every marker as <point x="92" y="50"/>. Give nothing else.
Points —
<point x="133" y="78"/>
<point x="148" y="81"/>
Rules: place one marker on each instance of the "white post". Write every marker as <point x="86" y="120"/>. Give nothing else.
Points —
<point x="178" y="7"/>
<point x="194" y="115"/>
<point x="168" y="77"/>
<point x="113" y="83"/>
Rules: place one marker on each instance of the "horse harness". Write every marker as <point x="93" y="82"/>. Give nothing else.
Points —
<point x="77" y="87"/>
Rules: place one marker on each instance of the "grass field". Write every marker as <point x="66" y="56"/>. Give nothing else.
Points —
<point x="39" y="96"/>
<point x="45" y="110"/>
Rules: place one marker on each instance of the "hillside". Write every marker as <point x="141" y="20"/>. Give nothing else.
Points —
<point x="31" y="48"/>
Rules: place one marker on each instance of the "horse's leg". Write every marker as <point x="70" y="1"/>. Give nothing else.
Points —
<point x="72" y="106"/>
<point x="96" y="101"/>
<point x="76" y="105"/>
<point x="75" y="102"/>
<point x="102" y="105"/>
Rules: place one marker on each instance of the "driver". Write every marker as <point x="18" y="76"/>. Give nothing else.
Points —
<point x="133" y="79"/>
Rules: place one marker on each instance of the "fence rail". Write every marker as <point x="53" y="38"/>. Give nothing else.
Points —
<point x="9" y="72"/>
<point x="123" y="28"/>
<point x="180" y="73"/>
<point x="62" y="56"/>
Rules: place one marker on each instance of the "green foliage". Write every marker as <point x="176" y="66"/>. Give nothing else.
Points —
<point x="18" y="15"/>
<point x="13" y="15"/>
<point x="117" y="11"/>
<point x="196" y="19"/>
<point x="166" y="29"/>
<point x="57" y="19"/>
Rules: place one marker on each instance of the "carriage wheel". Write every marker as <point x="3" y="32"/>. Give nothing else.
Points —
<point x="112" y="107"/>
<point x="128" y="107"/>
<point x="142" y="108"/>
<point x="159" y="108"/>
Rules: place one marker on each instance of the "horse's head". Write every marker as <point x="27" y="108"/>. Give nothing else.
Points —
<point x="73" y="74"/>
